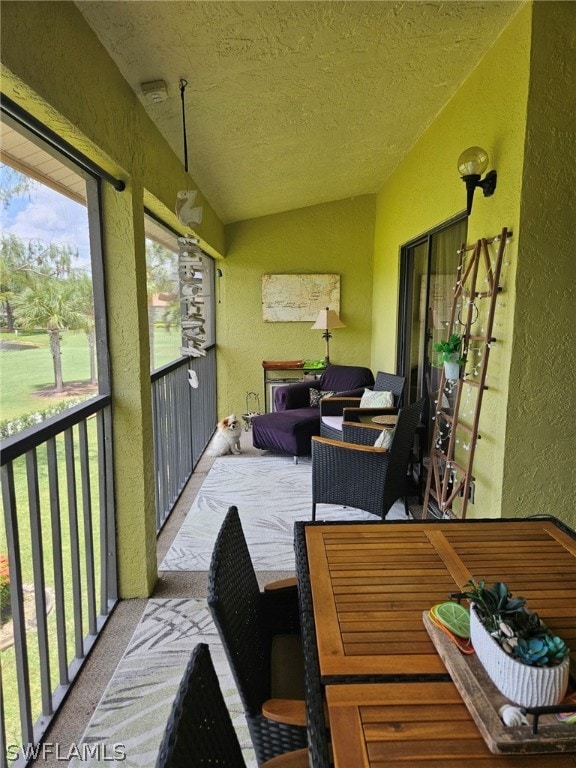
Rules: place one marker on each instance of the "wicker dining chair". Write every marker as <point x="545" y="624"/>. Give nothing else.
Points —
<point x="362" y="476"/>
<point x="335" y="410"/>
<point x="199" y="729"/>
<point x="260" y="632"/>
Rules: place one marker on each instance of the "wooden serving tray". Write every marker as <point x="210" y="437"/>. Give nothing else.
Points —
<point x="484" y="700"/>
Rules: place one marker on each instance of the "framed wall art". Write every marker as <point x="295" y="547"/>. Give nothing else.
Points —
<point x="298" y="298"/>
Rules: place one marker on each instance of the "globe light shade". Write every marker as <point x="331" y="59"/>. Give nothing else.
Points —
<point x="473" y="161"/>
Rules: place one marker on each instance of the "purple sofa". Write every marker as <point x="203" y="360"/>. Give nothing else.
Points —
<point x="289" y="429"/>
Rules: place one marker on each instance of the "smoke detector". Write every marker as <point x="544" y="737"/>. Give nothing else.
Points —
<point x="155" y="91"/>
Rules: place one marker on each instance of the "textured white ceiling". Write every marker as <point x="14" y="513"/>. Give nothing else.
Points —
<point x="291" y="104"/>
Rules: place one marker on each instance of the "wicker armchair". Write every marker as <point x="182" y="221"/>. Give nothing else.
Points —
<point x="199" y="730"/>
<point x="362" y="476"/>
<point x="260" y="632"/>
<point x="335" y="410"/>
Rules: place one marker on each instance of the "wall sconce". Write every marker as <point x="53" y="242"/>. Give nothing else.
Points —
<point x="327" y="320"/>
<point x="471" y="164"/>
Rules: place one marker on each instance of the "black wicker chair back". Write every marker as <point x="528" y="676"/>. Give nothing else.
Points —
<point x="246" y="620"/>
<point x="389" y="382"/>
<point x="199" y="729"/>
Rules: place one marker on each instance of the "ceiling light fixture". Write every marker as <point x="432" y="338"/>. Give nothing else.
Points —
<point x="327" y="320"/>
<point x="471" y="165"/>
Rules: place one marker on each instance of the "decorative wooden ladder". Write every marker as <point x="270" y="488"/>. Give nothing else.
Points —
<point x="454" y="439"/>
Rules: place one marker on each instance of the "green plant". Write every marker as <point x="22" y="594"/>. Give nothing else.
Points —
<point x="446" y="349"/>
<point x="516" y="628"/>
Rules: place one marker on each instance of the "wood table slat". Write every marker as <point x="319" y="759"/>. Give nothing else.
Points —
<point x="415" y="725"/>
<point x="373" y="577"/>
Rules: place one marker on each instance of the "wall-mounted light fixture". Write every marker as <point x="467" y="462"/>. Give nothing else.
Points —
<point x="471" y="164"/>
<point x="327" y="320"/>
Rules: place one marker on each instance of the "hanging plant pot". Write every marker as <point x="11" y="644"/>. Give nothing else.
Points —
<point x="452" y="368"/>
<point x="525" y="685"/>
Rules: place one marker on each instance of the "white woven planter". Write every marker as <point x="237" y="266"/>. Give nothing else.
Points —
<point x="451" y="368"/>
<point x="524" y="685"/>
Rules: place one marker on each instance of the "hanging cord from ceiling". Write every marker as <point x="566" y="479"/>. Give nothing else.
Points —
<point x="183" y="84"/>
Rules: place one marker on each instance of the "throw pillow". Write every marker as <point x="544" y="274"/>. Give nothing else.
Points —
<point x="316" y="395"/>
<point x="371" y="399"/>
<point x="384" y="439"/>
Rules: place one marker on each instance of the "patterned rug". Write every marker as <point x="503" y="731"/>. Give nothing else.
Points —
<point x="127" y="726"/>
<point x="271" y="493"/>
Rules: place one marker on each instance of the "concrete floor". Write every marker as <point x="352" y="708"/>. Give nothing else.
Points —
<point x="70" y="724"/>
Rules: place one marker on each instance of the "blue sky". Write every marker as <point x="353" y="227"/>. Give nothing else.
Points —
<point x="43" y="214"/>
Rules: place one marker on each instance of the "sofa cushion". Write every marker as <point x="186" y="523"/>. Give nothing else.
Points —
<point x="372" y="399"/>
<point x="316" y="395"/>
<point x="288" y="432"/>
<point x="340" y="378"/>
<point x="385" y="438"/>
<point x="334" y="422"/>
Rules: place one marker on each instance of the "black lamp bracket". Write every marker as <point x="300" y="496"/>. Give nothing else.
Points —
<point x="473" y="180"/>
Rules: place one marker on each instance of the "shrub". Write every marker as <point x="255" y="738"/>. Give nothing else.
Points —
<point x="5" y="611"/>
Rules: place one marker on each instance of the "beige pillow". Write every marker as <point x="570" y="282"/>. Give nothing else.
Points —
<point x="371" y="399"/>
<point x="384" y="440"/>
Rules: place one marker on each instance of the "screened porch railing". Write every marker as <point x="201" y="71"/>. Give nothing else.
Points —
<point x="57" y="493"/>
<point x="59" y="537"/>
<point x="184" y="418"/>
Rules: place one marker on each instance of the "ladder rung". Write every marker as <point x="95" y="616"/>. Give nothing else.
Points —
<point x="472" y="383"/>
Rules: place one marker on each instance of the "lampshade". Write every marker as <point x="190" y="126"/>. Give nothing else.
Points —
<point x="327" y="319"/>
<point x="473" y="161"/>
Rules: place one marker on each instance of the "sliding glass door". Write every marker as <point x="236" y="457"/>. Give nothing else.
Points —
<point x="428" y="273"/>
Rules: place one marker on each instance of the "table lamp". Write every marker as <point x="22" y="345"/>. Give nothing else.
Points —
<point x="327" y="320"/>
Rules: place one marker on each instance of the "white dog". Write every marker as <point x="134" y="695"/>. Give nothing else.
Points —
<point x="227" y="437"/>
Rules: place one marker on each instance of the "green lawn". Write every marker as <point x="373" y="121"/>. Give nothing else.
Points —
<point x="9" y="679"/>
<point x="25" y="375"/>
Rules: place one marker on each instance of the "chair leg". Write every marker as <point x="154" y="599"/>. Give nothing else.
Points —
<point x="406" y="507"/>
<point x="295" y="459"/>
<point x="313" y="510"/>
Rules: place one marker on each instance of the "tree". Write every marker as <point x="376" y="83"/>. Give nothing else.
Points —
<point x="22" y="263"/>
<point x="84" y="298"/>
<point x="52" y="305"/>
<point x="161" y="278"/>
<point x="13" y="184"/>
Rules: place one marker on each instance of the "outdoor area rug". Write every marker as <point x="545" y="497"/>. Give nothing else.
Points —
<point x="131" y="716"/>
<point x="271" y="493"/>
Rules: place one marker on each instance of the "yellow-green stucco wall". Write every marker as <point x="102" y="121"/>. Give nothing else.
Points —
<point x="334" y="238"/>
<point x="517" y="104"/>
<point x="539" y="467"/>
<point x="48" y="68"/>
<point x="512" y="105"/>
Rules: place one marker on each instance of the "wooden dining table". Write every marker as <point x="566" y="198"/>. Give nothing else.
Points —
<point x="363" y="589"/>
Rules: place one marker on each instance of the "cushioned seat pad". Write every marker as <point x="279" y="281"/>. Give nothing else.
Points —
<point x="334" y="422"/>
<point x="287" y="432"/>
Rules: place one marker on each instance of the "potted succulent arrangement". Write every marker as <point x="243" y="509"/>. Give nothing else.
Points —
<point x="449" y="355"/>
<point x="527" y="663"/>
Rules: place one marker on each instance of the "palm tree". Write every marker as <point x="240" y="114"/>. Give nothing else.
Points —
<point x="52" y="305"/>
<point x="23" y="263"/>
<point x="84" y="300"/>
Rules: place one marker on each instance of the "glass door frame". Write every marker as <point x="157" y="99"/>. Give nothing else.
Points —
<point x="405" y="297"/>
